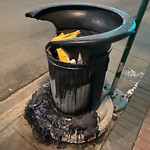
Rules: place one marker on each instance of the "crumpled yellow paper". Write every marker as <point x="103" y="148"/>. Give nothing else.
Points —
<point x="61" y="54"/>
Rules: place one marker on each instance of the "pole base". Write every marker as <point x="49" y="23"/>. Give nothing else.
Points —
<point x="118" y="98"/>
<point x="48" y="123"/>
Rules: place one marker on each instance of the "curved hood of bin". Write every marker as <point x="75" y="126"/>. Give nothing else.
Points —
<point x="106" y="23"/>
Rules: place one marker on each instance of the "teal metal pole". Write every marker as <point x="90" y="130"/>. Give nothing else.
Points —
<point x="128" y="46"/>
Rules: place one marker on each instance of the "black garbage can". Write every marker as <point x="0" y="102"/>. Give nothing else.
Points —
<point x="68" y="109"/>
<point x="78" y="88"/>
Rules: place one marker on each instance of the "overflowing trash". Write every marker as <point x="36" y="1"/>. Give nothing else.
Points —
<point x="62" y="55"/>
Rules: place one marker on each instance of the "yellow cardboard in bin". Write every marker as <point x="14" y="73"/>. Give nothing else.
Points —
<point x="61" y="54"/>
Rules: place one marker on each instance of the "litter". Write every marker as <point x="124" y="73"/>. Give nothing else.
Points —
<point x="62" y="55"/>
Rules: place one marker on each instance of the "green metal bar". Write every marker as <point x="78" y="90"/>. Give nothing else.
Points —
<point x="129" y="44"/>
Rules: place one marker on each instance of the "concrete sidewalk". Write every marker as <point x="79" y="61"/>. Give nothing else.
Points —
<point x="16" y="133"/>
<point x="22" y="55"/>
<point x="132" y="129"/>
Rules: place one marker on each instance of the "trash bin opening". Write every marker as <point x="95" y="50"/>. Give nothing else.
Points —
<point x="52" y="55"/>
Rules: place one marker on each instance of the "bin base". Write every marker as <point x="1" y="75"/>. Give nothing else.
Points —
<point x="118" y="98"/>
<point x="47" y="123"/>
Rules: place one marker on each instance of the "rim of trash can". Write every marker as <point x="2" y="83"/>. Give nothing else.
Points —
<point x="127" y="27"/>
<point x="55" y="61"/>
